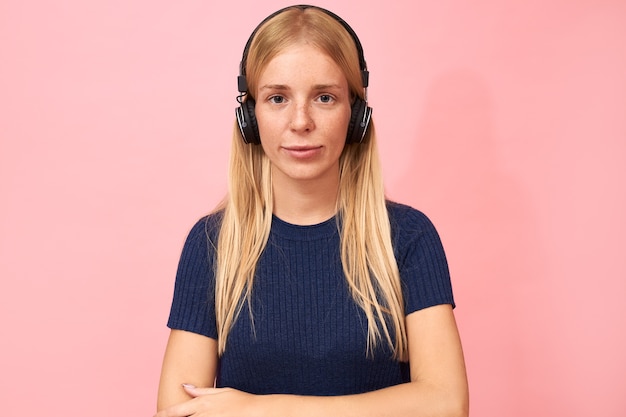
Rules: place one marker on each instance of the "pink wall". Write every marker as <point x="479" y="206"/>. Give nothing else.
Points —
<point x="505" y="121"/>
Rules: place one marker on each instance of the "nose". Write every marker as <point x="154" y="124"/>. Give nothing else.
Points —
<point x="301" y="120"/>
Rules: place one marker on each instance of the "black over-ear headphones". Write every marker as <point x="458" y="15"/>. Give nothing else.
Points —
<point x="246" y="119"/>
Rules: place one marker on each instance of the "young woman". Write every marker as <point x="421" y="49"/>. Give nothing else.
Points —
<point x="307" y="293"/>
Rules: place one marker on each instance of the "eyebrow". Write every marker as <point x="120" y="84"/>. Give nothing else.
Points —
<point x="274" y="87"/>
<point x="317" y="87"/>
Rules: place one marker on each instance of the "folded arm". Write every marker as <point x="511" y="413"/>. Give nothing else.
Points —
<point x="438" y="384"/>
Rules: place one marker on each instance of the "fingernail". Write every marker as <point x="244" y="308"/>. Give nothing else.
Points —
<point x="189" y="386"/>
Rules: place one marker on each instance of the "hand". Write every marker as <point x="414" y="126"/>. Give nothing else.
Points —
<point x="215" y="402"/>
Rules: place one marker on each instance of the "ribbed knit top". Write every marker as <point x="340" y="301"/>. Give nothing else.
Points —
<point x="309" y="336"/>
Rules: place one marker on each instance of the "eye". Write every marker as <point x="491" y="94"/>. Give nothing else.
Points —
<point x="326" y="98"/>
<point x="276" y="99"/>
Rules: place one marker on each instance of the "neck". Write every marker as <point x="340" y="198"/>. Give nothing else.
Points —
<point x="305" y="202"/>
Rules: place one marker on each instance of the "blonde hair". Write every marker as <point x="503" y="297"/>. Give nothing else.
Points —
<point x="367" y="254"/>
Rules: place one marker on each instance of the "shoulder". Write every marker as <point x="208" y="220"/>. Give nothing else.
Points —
<point x="411" y="231"/>
<point x="206" y="228"/>
<point x="198" y="250"/>
<point x="421" y="258"/>
<point x="407" y="221"/>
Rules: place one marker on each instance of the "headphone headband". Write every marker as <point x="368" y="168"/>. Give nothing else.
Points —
<point x="241" y="80"/>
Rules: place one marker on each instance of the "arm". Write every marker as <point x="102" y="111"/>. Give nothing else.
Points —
<point x="189" y="359"/>
<point x="438" y="384"/>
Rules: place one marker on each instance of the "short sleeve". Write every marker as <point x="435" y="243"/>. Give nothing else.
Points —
<point x="193" y="306"/>
<point x="421" y="259"/>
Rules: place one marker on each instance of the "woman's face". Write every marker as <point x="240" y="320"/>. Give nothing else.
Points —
<point x="303" y="112"/>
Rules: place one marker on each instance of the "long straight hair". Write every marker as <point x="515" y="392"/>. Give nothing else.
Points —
<point x="367" y="255"/>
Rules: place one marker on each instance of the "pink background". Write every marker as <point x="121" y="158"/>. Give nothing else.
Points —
<point x="504" y="121"/>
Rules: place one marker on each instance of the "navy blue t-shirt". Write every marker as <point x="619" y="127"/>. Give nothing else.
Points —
<point x="309" y="336"/>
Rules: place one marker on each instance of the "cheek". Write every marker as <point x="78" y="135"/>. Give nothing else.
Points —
<point x="265" y="125"/>
<point x="344" y="123"/>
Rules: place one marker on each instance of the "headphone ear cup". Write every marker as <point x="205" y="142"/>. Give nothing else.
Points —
<point x="246" y="119"/>
<point x="359" y="121"/>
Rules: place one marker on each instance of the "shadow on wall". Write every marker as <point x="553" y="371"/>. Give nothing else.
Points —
<point x="491" y="239"/>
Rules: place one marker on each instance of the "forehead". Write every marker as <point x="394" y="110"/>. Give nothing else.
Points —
<point x="301" y="62"/>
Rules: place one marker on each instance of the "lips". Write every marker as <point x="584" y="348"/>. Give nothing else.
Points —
<point x="302" y="152"/>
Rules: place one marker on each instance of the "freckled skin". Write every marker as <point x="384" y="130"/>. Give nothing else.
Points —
<point x="303" y="111"/>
